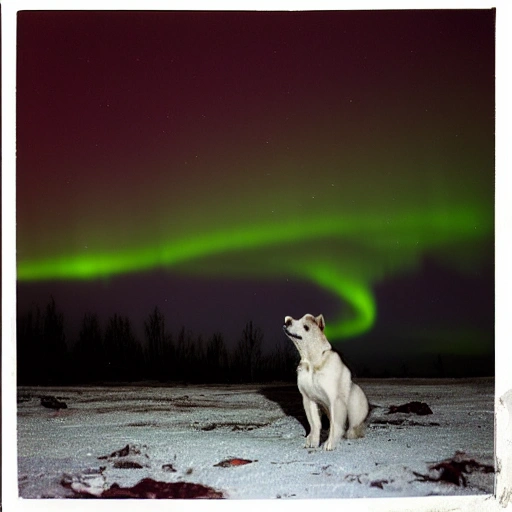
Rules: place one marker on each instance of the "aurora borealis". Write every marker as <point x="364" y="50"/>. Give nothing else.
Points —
<point x="341" y="152"/>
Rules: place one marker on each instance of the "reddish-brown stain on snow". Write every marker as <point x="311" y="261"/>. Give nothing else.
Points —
<point x="151" y="489"/>
<point x="233" y="462"/>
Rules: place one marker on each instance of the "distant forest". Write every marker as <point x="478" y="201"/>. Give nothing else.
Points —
<point x="112" y="353"/>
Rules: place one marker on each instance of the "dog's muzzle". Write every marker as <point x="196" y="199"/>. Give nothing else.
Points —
<point x="288" y="333"/>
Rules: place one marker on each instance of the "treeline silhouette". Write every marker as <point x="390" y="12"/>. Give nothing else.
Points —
<point x="112" y="353"/>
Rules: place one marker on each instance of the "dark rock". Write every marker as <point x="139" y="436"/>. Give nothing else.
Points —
<point x="419" y="408"/>
<point x="379" y="483"/>
<point x="127" y="464"/>
<point x="52" y="403"/>
<point x="123" y="452"/>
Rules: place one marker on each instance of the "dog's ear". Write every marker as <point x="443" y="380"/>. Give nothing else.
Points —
<point x="320" y="321"/>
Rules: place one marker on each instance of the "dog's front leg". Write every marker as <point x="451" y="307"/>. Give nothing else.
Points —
<point x="315" y="423"/>
<point x="338" y="418"/>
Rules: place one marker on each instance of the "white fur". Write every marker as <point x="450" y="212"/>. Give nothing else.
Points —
<point x="325" y="381"/>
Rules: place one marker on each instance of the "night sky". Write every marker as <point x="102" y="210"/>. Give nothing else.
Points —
<point x="228" y="167"/>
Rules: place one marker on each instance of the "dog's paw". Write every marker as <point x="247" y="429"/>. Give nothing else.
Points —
<point x="312" y="442"/>
<point x="330" y="445"/>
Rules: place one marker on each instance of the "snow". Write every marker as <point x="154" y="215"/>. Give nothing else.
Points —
<point x="182" y="433"/>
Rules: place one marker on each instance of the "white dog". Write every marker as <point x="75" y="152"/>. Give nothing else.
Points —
<point x="324" y="380"/>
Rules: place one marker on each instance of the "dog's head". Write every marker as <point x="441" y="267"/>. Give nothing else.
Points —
<point x="305" y="329"/>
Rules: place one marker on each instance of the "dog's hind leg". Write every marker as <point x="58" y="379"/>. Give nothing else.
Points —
<point x="357" y="412"/>
<point x="357" y="431"/>
<point x="315" y="423"/>
<point x="337" y="418"/>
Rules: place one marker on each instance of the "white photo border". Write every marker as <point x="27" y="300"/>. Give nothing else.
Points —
<point x="502" y="498"/>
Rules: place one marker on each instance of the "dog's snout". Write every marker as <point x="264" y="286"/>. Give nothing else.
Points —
<point x="288" y="322"/>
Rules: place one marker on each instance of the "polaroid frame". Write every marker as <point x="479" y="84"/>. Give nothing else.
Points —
<point x="502" y="497"/>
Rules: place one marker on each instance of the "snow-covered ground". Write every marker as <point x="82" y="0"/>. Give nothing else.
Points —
<point x="119" y="436"/>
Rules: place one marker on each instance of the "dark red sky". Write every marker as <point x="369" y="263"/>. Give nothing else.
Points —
<point x="241" y="166"/>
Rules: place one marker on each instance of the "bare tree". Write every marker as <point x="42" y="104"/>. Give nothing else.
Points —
<point x="122" y="351"/>
<point x="29" y="347"/>
<point x="88" y="353"/>
<point x="54" y="357"/>
<point x="154" y="329"/>
<point x="248" y="351"/>
<point x="188" y="352"/>
<point x="216" y="358"/>
<point x="282" y="362"/>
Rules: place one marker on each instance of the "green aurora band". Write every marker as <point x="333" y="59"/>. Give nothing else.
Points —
<point x="345" y="255"/>
<point x="259" y="148"/>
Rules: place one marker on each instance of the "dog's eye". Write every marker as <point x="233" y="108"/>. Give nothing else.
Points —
<point x="306" y="327"/>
